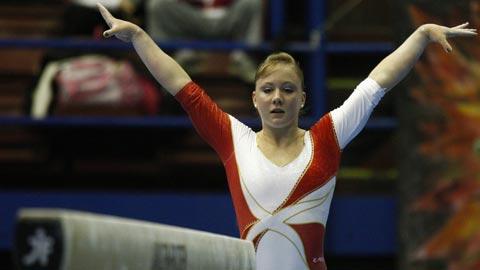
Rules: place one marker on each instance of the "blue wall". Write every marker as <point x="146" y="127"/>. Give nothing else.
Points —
<point x="358" y="225"/>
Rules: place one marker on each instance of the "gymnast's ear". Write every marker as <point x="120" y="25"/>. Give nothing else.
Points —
<point x="254" y="99"/>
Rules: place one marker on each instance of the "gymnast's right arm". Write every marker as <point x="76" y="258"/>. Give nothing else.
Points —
<point x="209" y="120"/>
<point x="165" y="70"/>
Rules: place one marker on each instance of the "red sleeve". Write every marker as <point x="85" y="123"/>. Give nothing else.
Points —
<point x="209" y="120"/>
<point x="325" y="138"/>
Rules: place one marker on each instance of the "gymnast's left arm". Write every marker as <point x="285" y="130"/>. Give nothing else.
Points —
<point x="350" y="118"/>
<point x="396" y="66"/>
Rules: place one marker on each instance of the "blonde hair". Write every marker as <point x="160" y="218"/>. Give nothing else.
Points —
<point x="276" y="59"/>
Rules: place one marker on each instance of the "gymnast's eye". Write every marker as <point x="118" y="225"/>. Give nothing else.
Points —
<point x="267" y="89"/>
<point x="288" y="87"/>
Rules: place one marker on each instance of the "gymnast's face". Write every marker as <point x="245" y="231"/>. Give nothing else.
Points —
<point x="279" y="96"/>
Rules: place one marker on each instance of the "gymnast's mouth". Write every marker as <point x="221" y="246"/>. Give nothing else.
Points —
<point x="277" y="111"/>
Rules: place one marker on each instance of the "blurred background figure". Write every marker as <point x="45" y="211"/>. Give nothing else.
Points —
<point x="235" y="20"/>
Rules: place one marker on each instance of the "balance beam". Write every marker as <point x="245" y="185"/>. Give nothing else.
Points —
<point x="58" y="239"/>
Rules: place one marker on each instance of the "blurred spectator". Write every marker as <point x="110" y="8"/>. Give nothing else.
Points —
<point x="81" y="17"/>
<point x="237" y="20"/>
<point x="93" y="84"/>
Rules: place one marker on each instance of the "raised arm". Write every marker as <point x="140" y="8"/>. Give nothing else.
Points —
<point x="209" y="120"/>
<point x="350" y="118"/>
<point x="165" y="70"/>
<point x="396" y="66"/>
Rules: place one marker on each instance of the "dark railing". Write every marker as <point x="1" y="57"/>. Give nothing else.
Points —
<point x="316" y="48"/>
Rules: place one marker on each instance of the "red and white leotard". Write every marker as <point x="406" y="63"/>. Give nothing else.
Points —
<point x="283" y="210"/>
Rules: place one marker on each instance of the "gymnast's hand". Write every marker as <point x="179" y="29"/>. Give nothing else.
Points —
<point x="438" y="33"/>
<point x="121" y="29"/>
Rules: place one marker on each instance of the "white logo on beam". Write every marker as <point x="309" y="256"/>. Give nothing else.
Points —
<point x="42" y="247"/>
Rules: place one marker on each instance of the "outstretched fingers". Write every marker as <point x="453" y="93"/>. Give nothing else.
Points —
<point x="107" y="16"/>
<point x="461" y="30"/>
<point x="463" y="25"/>
<point x="109" y="19"/>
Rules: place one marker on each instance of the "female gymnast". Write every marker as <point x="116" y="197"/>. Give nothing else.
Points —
<point x="281" y="178"/>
